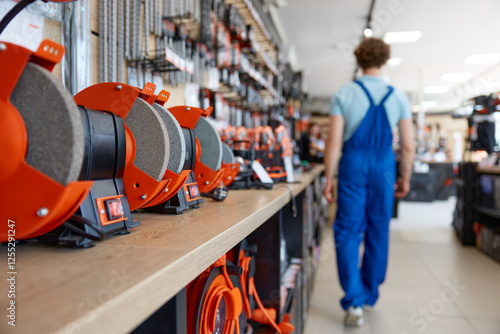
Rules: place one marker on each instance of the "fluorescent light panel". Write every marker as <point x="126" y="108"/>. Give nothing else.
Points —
<point x="482" y="59"/>
<point x="436" y="89"/>
<point x="455" y="77"/>
<point x="429" y="104"/>
<point x="399" y="37"/>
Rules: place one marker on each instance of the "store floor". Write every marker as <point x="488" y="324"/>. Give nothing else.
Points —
<point x="434" y="285"/>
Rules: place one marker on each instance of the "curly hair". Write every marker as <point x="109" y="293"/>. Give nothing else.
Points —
<point x="372" y="52"/>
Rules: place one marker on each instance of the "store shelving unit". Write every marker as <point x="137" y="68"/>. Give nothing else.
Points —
<point x="260" y="35"/>
<point x="115" y="286"/>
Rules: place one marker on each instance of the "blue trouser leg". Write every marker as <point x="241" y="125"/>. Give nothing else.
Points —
<point x="378" y="214"/>
<point x="348" y="230"/>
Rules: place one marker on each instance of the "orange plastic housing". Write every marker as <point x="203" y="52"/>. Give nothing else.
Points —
<point x="34" y="202"/>
<point x="283" y="141"/>
<point x="206" y="310"/>
<point x="263" y="315"/>
<point x="176" y="181"/>
<point x="118" y="98"/>
<point x="188" y="117"/>
<point x="207" y="178"/>
<point x="230" y="172"/>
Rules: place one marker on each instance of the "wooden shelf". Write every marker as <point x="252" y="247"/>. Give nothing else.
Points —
<point x="113" y="287"/>
<point x="488" y="170"/>
<point x="489" y="212"/>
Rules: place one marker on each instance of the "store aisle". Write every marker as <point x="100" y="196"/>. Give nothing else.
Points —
<point x="434" y="285"/>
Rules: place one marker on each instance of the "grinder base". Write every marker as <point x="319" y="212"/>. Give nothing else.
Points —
<point x="188" y="197"/>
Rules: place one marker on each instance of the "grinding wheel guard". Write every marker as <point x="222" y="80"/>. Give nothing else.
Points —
<point x="230" y="172"/>
<point x="31" y="202"/>
<point x="205" y="295"/>
<point x="176" y="181"/>
<point x="118" y="98"/>
<point x="207" y="178"/>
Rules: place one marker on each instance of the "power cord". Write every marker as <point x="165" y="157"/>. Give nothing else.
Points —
<point x="292" y="197"/>
<point x="85" y="222"/>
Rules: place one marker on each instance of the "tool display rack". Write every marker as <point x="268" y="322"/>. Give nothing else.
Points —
<point x="487" y="211"/>
<point x="465" y="210"/>
<point x="115" y="286"/>
<point x="477" y="215"/>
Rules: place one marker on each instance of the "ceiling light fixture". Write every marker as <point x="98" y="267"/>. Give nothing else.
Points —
<point x="455" y="77"/>
<point x="368" y="32"/>
<point x="399" y="37"/>
<point x="482" y="59"/>
<point x="395" y="61"/>
<point x="436" y="89"/>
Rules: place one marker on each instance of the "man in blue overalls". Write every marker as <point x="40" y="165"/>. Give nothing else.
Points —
<point x="363" y="114"/>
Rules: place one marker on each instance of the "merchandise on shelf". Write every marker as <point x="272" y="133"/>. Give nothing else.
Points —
<point x="263" y="145"/>
<point x="214" y="300"/>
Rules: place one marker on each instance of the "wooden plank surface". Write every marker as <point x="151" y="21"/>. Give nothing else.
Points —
<point x="488" y="170"/>
<point x="113" y="287"/>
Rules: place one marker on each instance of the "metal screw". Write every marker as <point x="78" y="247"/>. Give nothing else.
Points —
<point x="102" y="211"/>
<point x="42" y="212"/>
<point x="119" y="87"/>
<point x="229" y="177"/>
<point x="3" y="47"/>
<point x="188" y="108"/>
<point x="166" y="190"/>
<point x="206" y="182"/>
<point x="143" y="197"/>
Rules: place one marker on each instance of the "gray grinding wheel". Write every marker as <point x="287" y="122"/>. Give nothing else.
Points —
<point x="54" y="125"/>
<point x="177" y="140"/>
<point x="211" y="145"/>
<point x="151" y="139"/>
<point x="227" y="154"/>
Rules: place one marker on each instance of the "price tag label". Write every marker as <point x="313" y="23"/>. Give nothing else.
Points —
<point x="261" y="172"/>
<point x="290" y="177"/>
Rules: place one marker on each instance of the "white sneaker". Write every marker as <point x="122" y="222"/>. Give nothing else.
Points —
<point x="354" y="317"/>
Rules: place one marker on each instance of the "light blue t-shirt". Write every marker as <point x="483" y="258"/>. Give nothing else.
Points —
<point x="351" y="102"/>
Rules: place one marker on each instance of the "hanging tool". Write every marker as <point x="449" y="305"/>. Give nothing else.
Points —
<point x="121" y="39"/>
<point x="112" y="41"/>
<point x="103" y="41"/>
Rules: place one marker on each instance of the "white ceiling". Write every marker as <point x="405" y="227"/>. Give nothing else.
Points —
<point x="324" y="33"/>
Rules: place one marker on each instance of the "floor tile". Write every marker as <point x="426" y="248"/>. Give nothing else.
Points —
<point x="386" y="323"/>
<point x="409" y="276"/>
<point x="480" y="303"/>
<point x="400" y="299"/>
<point x="434" y="285"/>
<point x="486" y="326"/>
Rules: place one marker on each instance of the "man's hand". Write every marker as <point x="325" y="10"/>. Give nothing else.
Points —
<point x="328" y="192"/>
<point x="402" y="187"/>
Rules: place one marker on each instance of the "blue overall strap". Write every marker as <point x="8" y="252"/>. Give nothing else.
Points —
<point x="366" y="91"/>
<point x="391" y="89"/>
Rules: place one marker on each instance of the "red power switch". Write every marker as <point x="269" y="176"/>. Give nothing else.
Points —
<point x="194" y="192"/>
<point x="114" y="208"/>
